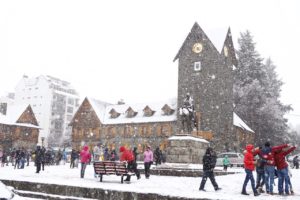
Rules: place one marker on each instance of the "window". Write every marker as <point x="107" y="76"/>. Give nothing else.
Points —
<point x="197" y="66"/>
<point x="70" y="109"/>
<point x="69" y="117"/>
<point x="71" y="101"/>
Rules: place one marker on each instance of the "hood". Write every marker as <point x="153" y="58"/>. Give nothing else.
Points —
<point x="122" y="149"/>
<point x="86" y="148"/>
<point x="249" y="147"/>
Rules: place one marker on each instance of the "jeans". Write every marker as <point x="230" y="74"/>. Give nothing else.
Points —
<point x="147" y="166"/>
<point x="83" y="166"/>
<point x="260" y="179"/>
<point x="249" y="176"/>
<point x="269" y="177"/>
<point x="283" y="177"/>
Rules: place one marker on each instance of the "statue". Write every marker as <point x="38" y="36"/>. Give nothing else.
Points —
<point x="187" y="115"/>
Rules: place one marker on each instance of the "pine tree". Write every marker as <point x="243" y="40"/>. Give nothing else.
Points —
<point x="257" y="92"/>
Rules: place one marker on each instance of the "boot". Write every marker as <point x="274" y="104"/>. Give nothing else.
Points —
<point x="256" y="194"/>
<point x="244" y="193"/>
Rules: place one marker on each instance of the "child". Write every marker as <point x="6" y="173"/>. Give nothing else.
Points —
<point x="226" y="162"/>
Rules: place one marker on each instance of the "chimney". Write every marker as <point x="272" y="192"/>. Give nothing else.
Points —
<point x="3" y="108"/>
<point x="121" y="102"/>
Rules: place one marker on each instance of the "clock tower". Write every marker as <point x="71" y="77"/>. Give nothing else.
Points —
<point x="205" y="72"/>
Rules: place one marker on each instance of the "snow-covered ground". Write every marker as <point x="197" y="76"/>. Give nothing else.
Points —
<point x="166" y="185"/>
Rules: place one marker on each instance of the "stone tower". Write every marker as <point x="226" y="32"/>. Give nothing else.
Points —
<point x="207" y="74"/>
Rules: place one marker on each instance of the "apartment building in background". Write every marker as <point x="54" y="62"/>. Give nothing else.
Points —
<point x="54" y="101"/>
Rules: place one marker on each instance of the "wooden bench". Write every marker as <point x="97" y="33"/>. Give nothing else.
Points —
<point x="112" y="168"/>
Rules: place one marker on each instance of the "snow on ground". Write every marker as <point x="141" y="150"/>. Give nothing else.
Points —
<point x="166" y="185"/>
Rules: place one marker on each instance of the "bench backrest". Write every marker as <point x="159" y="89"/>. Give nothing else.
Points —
<point x="110" y="167"/>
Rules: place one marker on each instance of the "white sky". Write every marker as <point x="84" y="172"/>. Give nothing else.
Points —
<point x="124" y="49"/>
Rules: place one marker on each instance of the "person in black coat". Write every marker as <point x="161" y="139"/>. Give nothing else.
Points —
<point x="157" y="156"/>
<point x="209" y="163"/>
<point x="38" y="158"/>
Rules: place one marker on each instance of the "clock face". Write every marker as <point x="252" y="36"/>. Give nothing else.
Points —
<point x="225" y="51"/>
<point x="197" y="47"/>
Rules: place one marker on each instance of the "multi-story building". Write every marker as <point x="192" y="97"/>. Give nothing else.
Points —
<point x="53" y="101"/>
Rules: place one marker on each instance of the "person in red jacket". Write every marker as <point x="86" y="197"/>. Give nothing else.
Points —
<point x="249" y="165"/>
<point x="85" y="157"/>
<point x="267" y="153"/>
<point x="128" y="156"/>
<point x="282" y="169"/>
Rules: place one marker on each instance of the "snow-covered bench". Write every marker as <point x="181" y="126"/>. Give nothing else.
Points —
<point x="111" y="168"/>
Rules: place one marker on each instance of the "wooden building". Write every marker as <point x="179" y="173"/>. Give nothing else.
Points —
<point x="18" y="127"/>
<point x="130" y="125"/>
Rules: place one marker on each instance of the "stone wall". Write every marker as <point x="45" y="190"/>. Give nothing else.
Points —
<point x="94" y="193"/>
<point x="186" y="149"/>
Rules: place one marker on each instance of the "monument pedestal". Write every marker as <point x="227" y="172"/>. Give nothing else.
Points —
<point x="185" y="148"/>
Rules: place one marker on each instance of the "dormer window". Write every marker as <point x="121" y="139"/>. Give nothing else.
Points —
<point x="148" y="112"/>
<point x="130" y="113"/>
<point x="114" y="114"/>
<point x="167" y="110"/>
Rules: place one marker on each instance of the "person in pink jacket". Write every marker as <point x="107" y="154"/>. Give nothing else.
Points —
<point x="148" y="160"/>
<point x="85" y="157"/>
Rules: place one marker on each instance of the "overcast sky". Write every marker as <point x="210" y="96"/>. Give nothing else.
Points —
<point x="124" y="49"/>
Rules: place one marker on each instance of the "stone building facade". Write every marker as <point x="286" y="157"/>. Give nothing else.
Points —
<point x="205" y="71"/>
<point x="18" y="127"/>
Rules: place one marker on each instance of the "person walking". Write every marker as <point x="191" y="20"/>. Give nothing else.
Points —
<point x="226" y="163"/>
<point x="249" y="164"/>
<point x="209" y="162"/>
<point x="128" y="156"/>
<point x="85" y="158"/>
<point x="148" y="160"/>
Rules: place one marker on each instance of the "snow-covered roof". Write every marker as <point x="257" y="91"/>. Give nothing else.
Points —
<point x="13" y="113"/>
<point x="99" y="107"/>
<point x="187" y="137"/>
<point x="158" y="115"/>
<point x="237" y="121"/>
<point x="103" y="112"/>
